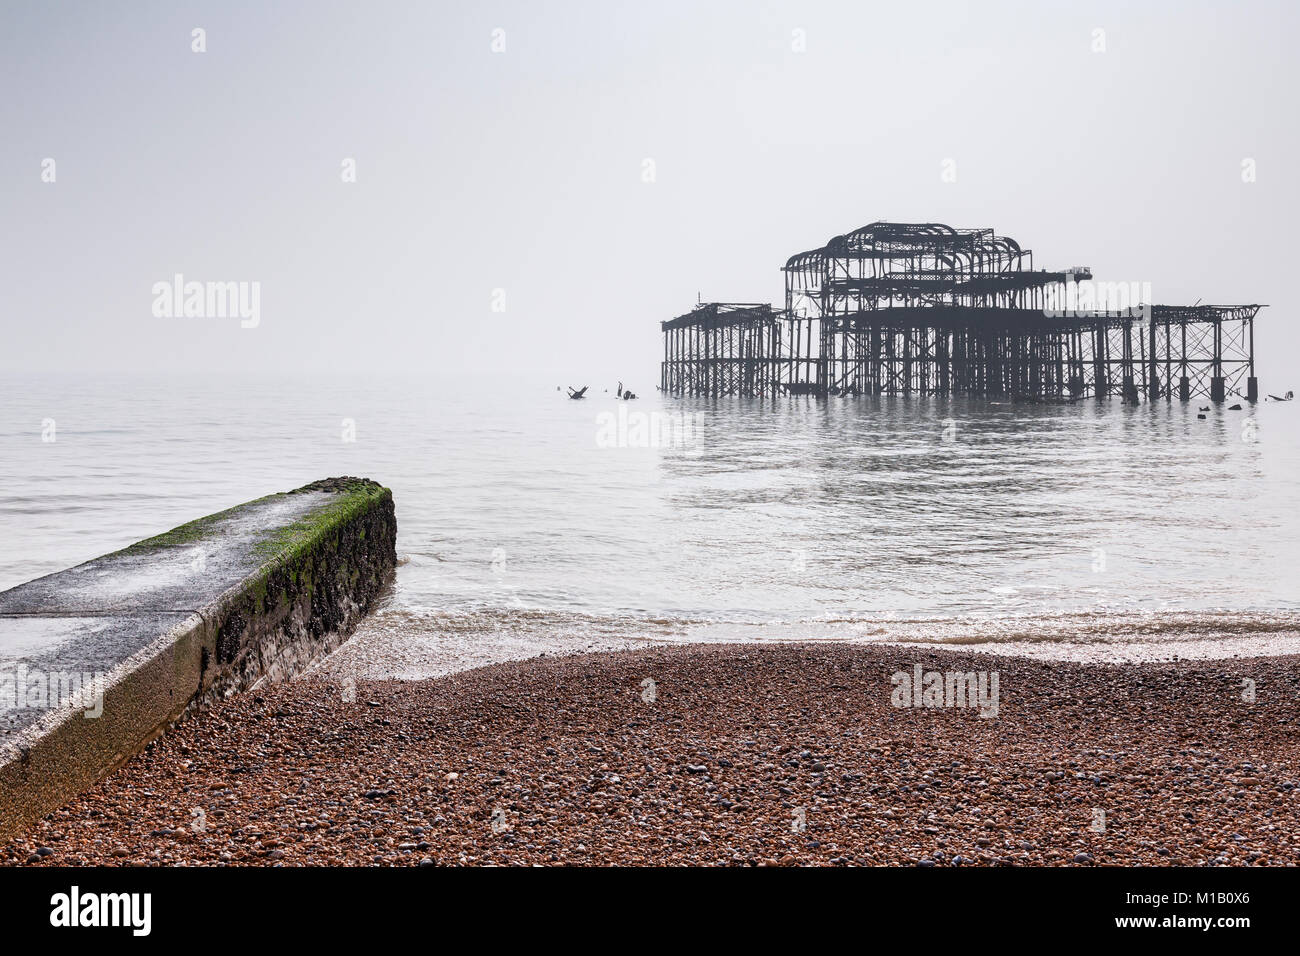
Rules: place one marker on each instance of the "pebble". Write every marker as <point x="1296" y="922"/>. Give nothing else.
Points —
<point x="585" y="773"/>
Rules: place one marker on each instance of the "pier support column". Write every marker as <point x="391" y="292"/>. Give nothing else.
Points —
<point x="1153" y="377"/>
<point x="1130" y="390"/>
<point x="1252" y="389"/>
<point x="1217" y="388"/>
<point x="1184" y="389"/>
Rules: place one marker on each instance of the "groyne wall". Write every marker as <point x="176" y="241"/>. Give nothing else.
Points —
<point x="98" y="660"/>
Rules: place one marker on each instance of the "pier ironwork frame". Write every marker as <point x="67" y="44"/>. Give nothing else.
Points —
<point x="926" y="309"/>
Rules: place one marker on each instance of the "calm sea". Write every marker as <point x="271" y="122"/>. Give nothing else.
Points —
<point x="531" y="523"/>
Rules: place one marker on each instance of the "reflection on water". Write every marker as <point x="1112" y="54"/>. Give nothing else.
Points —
<point x="795" y="517"/>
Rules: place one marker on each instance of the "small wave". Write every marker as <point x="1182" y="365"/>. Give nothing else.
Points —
<point x="413" y="642"/>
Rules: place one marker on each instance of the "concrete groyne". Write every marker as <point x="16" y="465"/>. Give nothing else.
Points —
<point x="97" y="660"/>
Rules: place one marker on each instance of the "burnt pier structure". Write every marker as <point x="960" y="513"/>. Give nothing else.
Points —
<point x="926" y="309"/>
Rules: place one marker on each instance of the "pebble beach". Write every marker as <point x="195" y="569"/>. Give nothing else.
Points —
<point x="786" y="754"/>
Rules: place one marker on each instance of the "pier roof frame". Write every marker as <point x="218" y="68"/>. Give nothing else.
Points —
<point x="715" y="315"/>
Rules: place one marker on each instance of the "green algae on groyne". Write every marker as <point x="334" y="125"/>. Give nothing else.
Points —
<point x="102" y="657"/>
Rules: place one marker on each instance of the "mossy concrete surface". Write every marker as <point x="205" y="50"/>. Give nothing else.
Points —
<point x="98" y="660"/>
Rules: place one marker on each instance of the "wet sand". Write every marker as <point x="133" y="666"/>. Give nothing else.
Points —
<point x="737" y="754"/>
<point x="398" y="642"/>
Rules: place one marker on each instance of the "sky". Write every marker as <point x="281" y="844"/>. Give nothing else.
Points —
<point x="538" y="185"/>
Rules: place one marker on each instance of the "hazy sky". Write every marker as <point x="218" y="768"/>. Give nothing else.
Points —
<point x="524" y="170"/>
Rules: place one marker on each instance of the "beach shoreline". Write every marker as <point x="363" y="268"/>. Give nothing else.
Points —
<point x="740" y="754"/>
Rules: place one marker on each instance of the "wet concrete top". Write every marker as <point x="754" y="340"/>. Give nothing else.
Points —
<point x="88" y="619"/>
